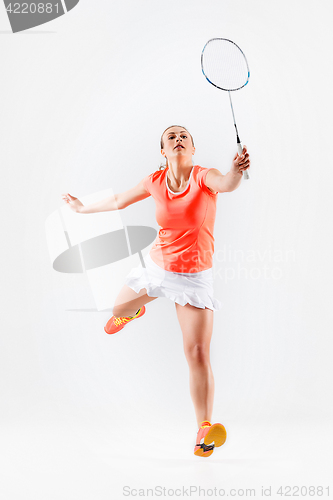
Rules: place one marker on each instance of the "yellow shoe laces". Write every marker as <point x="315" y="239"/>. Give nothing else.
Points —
<point x="119" y="321"/>
<point x="125" y="319"/>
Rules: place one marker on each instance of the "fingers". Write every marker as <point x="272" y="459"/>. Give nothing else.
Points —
<point x="67" y="197"/>
<point x="244" y="165"/>
<point x="244" y="160"/>
<point x="243" y="153"/>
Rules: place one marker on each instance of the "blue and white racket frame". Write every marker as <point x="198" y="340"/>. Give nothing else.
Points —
<point x="239" y="144"/>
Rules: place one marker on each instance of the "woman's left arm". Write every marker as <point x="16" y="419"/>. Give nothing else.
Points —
<point x="229" y="182"/>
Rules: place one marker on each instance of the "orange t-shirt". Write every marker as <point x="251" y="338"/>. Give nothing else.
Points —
<point x="185" y="242"/>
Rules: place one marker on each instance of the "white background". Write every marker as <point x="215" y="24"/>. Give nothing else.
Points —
<point x="84" y="100"/>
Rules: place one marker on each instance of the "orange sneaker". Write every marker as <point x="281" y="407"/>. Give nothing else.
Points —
<point x="114" y="325"/>
<point x="209" y="436"/>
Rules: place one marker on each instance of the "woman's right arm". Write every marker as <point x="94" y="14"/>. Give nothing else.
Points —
<point x="115" y="202"/>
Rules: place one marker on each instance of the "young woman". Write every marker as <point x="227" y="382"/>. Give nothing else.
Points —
<point x="179" y="265"/>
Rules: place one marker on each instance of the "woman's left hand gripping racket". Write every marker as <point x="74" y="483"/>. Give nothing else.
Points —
<point x="225" y="66"/>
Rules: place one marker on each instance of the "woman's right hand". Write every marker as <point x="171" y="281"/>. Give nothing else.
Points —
<point x="74" y="203"/>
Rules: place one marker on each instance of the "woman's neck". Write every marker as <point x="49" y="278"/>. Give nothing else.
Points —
<point x="179" y="173"/>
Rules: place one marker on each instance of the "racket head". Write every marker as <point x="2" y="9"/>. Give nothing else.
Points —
<point x="224" y="64"/>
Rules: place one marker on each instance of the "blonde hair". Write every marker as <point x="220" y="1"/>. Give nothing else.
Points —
<point x="162" y="167"/>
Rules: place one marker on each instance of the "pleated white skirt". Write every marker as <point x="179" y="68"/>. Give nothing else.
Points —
<point x="184" y="288"/>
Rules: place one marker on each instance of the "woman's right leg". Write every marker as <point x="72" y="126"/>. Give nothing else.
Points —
<point x="128" y="301"/>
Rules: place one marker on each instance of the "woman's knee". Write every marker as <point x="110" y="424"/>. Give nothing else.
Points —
<point x="128" y="302"/>
<point x="197" y="354"/>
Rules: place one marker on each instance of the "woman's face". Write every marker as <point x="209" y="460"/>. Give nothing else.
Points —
<point x="177" y="142"/>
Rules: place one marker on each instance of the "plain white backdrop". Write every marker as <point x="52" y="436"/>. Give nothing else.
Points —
<point x="84" y="100"/>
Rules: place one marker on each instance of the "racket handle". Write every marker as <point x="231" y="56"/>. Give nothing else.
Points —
<point x="240" y="151"/>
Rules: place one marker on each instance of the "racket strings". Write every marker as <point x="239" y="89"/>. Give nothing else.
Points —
<point x="224" y="64"/>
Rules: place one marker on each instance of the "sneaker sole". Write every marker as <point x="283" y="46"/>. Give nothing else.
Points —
<point x="201" y="453"/>
<point x="113" y="333"/>
<point x="216" y="433"/>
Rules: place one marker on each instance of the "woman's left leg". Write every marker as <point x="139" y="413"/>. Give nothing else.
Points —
<point x="197" y="328"/>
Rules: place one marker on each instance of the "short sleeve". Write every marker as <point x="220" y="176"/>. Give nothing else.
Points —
<point x="202" y="179"/>
<point x="147" y="183"/>
<point x="150" y="182"/>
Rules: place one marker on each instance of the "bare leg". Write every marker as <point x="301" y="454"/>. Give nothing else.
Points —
<point x="197" y="328"/>
<point x="128" y="301"/>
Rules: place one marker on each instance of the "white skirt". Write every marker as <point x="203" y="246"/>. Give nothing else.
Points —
<point x="184" y="288"/>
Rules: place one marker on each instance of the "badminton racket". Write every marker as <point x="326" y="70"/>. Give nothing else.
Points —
<point x="225" y="66"/>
